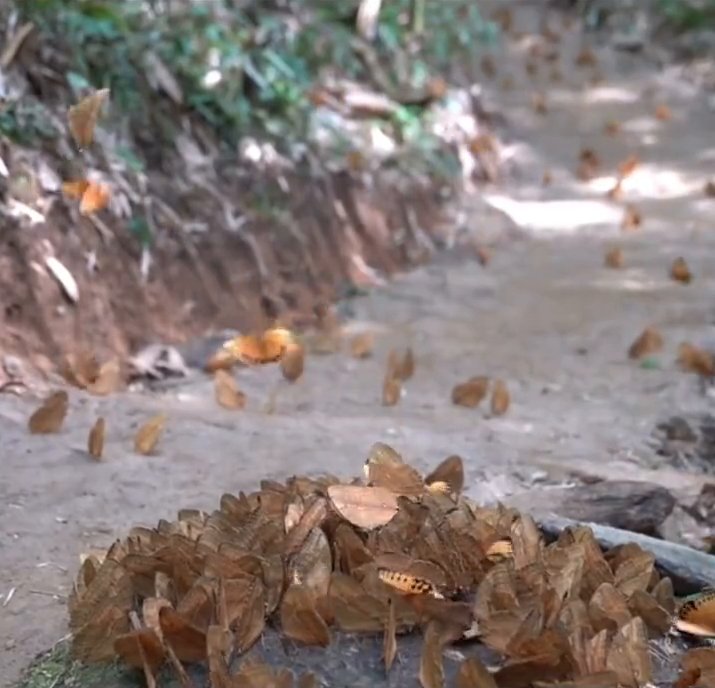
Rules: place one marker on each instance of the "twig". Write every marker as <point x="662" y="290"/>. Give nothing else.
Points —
<point x="104" y="232"/>
<point x="49" y="593"/>
<point x="9" y="596"/>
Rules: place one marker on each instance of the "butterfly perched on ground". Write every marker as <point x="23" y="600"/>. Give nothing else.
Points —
<point x="268" y="347"/>
<point x="696" y="615"/>
<point x="92" y="196"/>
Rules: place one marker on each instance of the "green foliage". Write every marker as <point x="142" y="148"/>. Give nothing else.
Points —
<point x="688" y="15"/>
<point x="25" y="122"/>
<point x="247" y="67"/>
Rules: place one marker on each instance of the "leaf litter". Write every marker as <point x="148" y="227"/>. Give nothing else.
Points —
<point x="384" y="557"/>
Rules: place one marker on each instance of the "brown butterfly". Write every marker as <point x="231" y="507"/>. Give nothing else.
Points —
<point x="384" y="467"/>
<point x="83" y="117"/>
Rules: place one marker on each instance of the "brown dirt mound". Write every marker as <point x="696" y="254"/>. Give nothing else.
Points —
<point x="197" y="283"/>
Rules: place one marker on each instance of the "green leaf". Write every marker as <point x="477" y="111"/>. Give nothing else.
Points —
<point x="129" y="158"/>
<point x="77" y="82"/>
<point x="139" y="227"/>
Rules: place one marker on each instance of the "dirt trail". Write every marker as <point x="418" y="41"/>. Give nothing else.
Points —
<point x="544" y="315"/>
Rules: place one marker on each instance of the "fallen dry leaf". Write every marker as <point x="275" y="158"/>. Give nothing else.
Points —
<point x="293" y="362"/>
<point x="255" y="350"/>
<point x="695" y="360"/>
<point x="95" y="441"/>
<point x="148" y="435"/>
<point x="614" y="258"/>
<point x="680" y="272"/>
<point x="663" y="113"/>
<point x="648" y="342"/>
<point x="13" y="45"/>
<point x="500" y="398"/>
<point x="631" y="219"/>
<point x="470" y="393"/>
<point x="362" y="344"/>
<point x="365" y="507"/>
<point x="49" y="417"/>
<point x="226" y="391"/>
<point x="83" y="117"/>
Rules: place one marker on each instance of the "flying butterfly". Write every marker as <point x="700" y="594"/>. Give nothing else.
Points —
<point x="408" y="584"/>
<point x="696" y="616"/>
<point x="269" y="347"/>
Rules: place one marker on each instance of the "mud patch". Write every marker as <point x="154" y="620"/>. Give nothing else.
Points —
<point x="687" y="444"/>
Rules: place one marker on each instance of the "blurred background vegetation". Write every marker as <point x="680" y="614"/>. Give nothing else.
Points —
<point x="249" y="66"/>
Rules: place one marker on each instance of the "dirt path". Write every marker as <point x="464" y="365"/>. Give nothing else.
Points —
<point x="544" y="315"/>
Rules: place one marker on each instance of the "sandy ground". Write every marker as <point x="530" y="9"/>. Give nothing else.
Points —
<point x="545" y="315"/>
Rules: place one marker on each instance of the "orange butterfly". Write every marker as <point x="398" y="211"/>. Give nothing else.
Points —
<point x="408" y="584"/>
<point x="93" y="196"/>
<point x="266" y="348"/>
<point x="697" y="615"/>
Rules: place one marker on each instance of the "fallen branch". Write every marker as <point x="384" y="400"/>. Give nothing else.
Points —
<point x="689" y="569"/>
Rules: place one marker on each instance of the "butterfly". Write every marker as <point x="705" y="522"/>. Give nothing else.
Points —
<point x="93" y="196"/>
<point x="266" y="348"/>
<point x="408" y="584"/>
<point x="500" y="550"/>
<point x="696" y="615"/>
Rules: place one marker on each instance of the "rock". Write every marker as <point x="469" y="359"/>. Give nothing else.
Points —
<point x="631" y="505"/>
